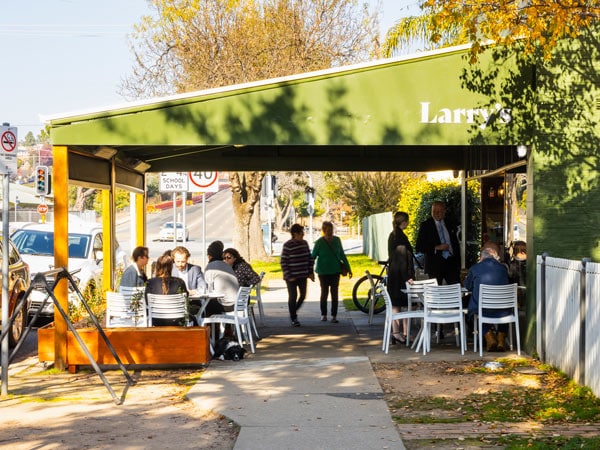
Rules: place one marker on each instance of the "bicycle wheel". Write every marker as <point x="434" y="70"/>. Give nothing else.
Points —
<point x="362" y="295"/>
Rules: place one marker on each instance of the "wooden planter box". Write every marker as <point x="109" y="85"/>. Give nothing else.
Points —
<point x="137" y="346"/>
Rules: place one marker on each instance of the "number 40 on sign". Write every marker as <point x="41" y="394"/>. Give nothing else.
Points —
<point x="204" y="182"/>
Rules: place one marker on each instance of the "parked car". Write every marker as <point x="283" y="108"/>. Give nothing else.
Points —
<point x="167" y="231"/>
<point x="35" y="243"/>
<point x="18" y="283"/>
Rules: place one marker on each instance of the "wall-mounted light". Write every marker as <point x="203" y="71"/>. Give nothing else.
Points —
<point x="521" y="151"/>
<point x="492" y="192"/>
<point x="501" y="190"/>
<point x="141" y="166"/>
<point x="105" y="152"/>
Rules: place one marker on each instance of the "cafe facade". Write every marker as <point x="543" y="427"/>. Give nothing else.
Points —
<point x="509" y="117"/>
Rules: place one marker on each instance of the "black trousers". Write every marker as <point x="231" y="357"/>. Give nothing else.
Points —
<point x="329" y="283"/>
<point x="296" y="295"/>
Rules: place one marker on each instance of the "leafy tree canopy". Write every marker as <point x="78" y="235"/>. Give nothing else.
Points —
<point x="369" y="192"/>
<point x="191" y="44"/>
<point x="539" y="23"/>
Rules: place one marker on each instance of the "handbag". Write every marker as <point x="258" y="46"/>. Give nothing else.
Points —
<point x="343" y="267"/>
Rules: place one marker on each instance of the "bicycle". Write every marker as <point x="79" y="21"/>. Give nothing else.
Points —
<point x="362" y="293"/>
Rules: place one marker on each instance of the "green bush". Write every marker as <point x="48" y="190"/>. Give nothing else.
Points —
<point x="416" y="198"/>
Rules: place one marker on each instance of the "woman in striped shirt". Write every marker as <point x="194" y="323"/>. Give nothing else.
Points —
<point x="297" y="266"/>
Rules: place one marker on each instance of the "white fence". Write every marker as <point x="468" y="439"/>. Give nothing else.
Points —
<point x="568" y="317"/>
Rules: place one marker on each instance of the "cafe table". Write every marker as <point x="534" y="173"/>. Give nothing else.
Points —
<point x="202" y="299"/>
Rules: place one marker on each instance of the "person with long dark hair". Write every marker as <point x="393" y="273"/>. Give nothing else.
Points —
<point x="401" y="269"/>
<point x="165" y="284"/>
<point x="244" y="272"/>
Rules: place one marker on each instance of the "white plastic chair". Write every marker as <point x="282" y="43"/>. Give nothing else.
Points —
<point x="255" y="297"/>
<point x="391" y="316"/>
<point x="239" y="317"/>
<point x="119" y="312"/>
<point x="442" y="304"/>
<point x="415" y="292"/>
<point x="497" y="297"/>
<point x="169" y="306"/>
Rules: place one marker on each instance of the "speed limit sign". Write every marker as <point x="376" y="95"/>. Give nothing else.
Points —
<point x="204" y="182"/>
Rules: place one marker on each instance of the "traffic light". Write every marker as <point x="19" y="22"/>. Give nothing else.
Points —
<point x="42" y="180"/>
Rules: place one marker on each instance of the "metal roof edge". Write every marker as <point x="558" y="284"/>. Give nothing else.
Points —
<point x="179" y="99"/>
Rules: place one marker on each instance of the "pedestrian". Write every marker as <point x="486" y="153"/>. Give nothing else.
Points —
<point x="400" y="271"/>
<point x="297" y="267"/>
<point x="329" y="255"/>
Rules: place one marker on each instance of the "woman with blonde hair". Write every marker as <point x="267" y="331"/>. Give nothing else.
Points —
<point x="329" y="255"/>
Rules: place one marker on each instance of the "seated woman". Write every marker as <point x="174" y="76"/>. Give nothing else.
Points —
<point x="163" y="283"/>
<point x="243" y="271"/>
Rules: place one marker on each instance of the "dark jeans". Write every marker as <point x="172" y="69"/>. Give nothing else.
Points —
<point x="296" y="295"/>
<point x="214" y="306"/>
<point x="329" y="283"/>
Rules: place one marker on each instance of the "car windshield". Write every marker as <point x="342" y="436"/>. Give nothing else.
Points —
<point x="34" y="242"/>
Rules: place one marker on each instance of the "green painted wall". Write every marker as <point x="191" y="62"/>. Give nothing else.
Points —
<point x="566" y="153"/>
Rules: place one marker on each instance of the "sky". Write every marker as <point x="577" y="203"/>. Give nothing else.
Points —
<point x="70" y="55"/>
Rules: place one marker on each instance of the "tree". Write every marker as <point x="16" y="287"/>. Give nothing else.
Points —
<point x="190" y="45"/>
<point x="29" y="140"/>
<point x="538" y="23"/>
<point x="369" y="192"/>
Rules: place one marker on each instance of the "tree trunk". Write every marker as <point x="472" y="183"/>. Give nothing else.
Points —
<point x="81" y="196"/>
<point x="247" y="232"/>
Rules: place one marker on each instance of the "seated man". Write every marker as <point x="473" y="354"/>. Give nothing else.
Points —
<point x="189" y="273"/>
<point x="220" y="279"/>
<point x="489" y="270"/>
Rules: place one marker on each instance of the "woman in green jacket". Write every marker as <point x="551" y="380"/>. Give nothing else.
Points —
<point x="330" y="258"/>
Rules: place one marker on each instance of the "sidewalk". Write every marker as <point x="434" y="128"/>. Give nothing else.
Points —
<point x="310" y="387"/>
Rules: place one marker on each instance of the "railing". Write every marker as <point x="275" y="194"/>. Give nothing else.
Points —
<point x="568" y="317"/>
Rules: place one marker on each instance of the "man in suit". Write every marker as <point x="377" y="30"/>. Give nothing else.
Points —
<point x="437" y="239"/>
<point x="189" y="273"/>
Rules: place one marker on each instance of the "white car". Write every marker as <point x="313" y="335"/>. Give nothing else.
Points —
<point x="35" y="242"/>
<point x="167" y="231"/>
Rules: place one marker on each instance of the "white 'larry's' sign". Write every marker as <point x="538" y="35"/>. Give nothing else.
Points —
<point x="173" y="182"/>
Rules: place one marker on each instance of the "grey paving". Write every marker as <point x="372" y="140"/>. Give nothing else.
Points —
<point x="310" y="387"/>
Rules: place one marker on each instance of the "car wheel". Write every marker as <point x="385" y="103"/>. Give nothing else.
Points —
<point x="18" y="325"/>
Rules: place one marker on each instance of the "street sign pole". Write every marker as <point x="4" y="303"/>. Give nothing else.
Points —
<point x="8" y="148"/>
<point x="5" y="256"/>
<point x="175" y="219"/>
<point x="204" y="228"/>
<point x="204" y="182"/>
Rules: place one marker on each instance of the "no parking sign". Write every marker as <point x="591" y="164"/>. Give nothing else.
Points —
<point x="204" y="182"/>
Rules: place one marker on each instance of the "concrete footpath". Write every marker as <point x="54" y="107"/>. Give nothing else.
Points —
<point x="308" y="387"/>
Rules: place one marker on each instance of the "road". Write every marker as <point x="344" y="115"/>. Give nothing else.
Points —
<point x="219" y="225"/>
